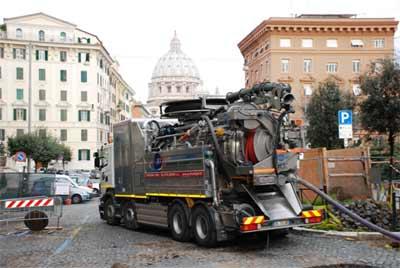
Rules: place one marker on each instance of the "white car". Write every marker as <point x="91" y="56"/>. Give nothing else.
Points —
<point x="78" y="193"/>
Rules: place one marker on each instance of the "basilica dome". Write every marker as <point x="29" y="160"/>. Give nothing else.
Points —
<point x="175" y="63"/>
<point x="175" y="77"/>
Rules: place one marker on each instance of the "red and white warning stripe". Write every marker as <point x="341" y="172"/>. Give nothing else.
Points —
<point x="45" y="202"/>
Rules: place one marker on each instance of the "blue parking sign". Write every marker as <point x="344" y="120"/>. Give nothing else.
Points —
<point x="345" y="117"/>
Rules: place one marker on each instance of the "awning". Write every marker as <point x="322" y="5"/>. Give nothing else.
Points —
<point x="357" y="43"/>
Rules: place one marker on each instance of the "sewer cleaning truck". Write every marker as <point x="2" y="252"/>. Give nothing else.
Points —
<point x="210" y="168"/>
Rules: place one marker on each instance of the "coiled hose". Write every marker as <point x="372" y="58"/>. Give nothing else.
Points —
<point x="354" y="216"/>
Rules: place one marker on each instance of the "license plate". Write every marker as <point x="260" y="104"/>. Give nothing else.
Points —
<point x="281" y="223"/>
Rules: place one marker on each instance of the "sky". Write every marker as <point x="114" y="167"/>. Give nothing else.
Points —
<point x="137" y="33"/>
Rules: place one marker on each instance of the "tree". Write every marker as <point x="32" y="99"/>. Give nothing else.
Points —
<point x="66" y="154"/>
<point x="42" y="149"/>
<point x="321" y="114"/>
<point x="380" y="111"/>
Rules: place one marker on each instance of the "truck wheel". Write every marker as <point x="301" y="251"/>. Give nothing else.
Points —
<point x="130" y="216"/>
<point x="110" y="212"/>
<point x="203" y="227"/>
<point x="76" y="199"/>
<point x="178" y="223"/>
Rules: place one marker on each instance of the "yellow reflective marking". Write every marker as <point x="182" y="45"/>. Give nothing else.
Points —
<point x="178" y="195"/>
<point x="247" y="220"/>
<point x="162" y="194"/>
<point x="259" y="219"/>
<point x="131" y="195"/>
<point x="316" y="213"/>
<point x="307" y="214"/>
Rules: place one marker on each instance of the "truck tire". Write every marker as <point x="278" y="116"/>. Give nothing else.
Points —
<point x="130" y="216"/>
<point x="178" y="223"/>
<point x="203" y="226"/>
<point x="110" y="212"/>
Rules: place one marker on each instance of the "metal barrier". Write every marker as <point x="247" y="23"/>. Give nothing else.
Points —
<point x="33" y="211"/>
<point x="29" y="198"/>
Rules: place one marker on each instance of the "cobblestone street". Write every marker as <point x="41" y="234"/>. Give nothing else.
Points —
<point x="86" y="241"/>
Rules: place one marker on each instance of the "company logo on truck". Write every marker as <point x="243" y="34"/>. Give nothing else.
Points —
<point x="157" y="162"/>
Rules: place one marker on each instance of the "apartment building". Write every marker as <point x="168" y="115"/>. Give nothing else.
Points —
<point x="75" y="85"/>
<point x="305" y="50"/>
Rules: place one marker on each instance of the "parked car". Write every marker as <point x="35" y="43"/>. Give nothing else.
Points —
<point x="46" y="186"/>
<point x="83" y="180"/>
<point x="78" y="193"/>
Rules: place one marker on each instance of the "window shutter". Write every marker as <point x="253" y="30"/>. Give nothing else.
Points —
<point x="88" y="116"/>
<point x="79" y="116"/>
<point x="79" y="154"/>
<point x="14" y="53"/>
<point x="15" y="114"/>
<point x="87" y="57"/>
<point x="88" y="155"/>
<point x="79" y="39"/>
<point x="46" y="55"/>
<point x="24" y="114"/>
<point x="37" y="54"/>
<point x="24" y="54"/>
<point x="88" y="40"/>
<point x="79" y="57"/>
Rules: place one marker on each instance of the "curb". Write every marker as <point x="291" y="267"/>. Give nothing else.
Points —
<point x="355" y="235"/>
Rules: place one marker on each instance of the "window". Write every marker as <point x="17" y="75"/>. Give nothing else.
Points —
<point x="83" y="57"/>
<point x="20" y="73"/>
<point x="285" y="43"/>
<point x="63" y="56"/>
<point x="178" y="89"/>
<point x="20" y="94"/>
<point x="42" y="94"/>
<point x="1" y="93"/>
<point x="284" y="65"/>
<point x="63" y="115"/>
<point x="379" y="43"/>
<point x="307" y="89"/>
<point x="0" y="73"/>
<point x="19" y="114"/>
<point x="356" y="66"/>
<point x="18" y="33"/>
<point x="83" y="154"/>
<point x="84" y="115"/>
<point x="83" y="76"/>
<point x="187" y="89"/>
<point x="42" y="55"/>
<point x="19" y="53"/>
<point x="1" y="113"/>
<point x="331" y="67"/>
<point x="331" y="43"/>
<point x="357" y="43"/>
<point x="63" y="95"/>
<point x="307" y="43"/>
<point x="169" y="89"/>
<point x="356" y="89"/>
<point x="63" y="36"/>
<point x="42" y="114"/>
<point x="83" y="96"/>
<point x="2" y="134"/>
<point x="1" y="52"/>
<point x="63" y="135"/>
<point x="42" y="133"/>
<point x="84" y="134"/>
<point x="20" y="132"/>
<point x="63" y="75"/>
<point x="41" y="35"/>
<point x="307" y="64"/>
<point x="42" y="74"/>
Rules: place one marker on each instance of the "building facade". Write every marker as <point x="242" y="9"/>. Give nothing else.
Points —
<point x="75" y="85"/>
<point x="305" y="50"/>
<point x="175" y="77"/>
